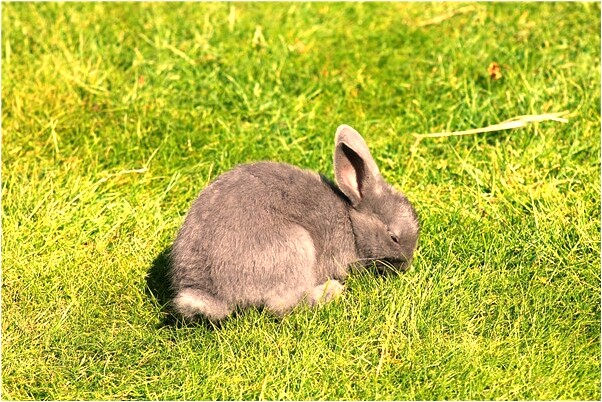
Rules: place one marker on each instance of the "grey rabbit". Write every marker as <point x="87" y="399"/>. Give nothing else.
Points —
<point x="270" y="234"/>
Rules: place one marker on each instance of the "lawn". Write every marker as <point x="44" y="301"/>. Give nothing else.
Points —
<point x="115" y="116"/>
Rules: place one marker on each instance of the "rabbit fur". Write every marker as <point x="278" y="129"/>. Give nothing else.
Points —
<point x="270" y="234"/>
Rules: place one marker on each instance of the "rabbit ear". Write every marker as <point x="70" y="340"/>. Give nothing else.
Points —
<point x="355" y="170"/>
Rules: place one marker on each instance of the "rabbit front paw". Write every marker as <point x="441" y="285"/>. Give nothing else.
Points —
<point x="326" y="292"/>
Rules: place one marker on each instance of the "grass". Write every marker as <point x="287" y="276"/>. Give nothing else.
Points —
<point x="114" y="116"/>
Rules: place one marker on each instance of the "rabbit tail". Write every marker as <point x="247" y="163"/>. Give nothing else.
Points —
<point x="193" y="302"/>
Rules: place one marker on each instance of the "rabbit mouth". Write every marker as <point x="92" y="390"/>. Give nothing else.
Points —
<point x="391" y="265"/>
<point x="382" y="266"/>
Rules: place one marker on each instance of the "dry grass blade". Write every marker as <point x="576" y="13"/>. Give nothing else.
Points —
<point x="515" y="122"/>
<point x="440" y="18"/>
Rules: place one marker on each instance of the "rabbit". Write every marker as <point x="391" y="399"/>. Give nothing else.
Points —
<point x="272" y="235"/>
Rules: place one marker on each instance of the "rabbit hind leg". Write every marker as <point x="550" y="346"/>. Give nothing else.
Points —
<point x="299" y="284"/>
<point x="281" y="303"/>
<point x="191" y="302"/>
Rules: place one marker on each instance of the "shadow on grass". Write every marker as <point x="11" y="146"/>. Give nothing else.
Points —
<point x="157" y="279"/>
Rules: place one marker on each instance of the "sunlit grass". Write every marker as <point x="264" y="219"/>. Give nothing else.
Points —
<point x="115" y="116"/>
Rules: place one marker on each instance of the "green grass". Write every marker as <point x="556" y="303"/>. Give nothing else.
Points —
<point x="114" y="116"/>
